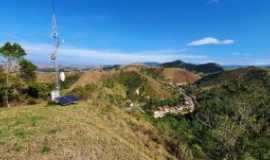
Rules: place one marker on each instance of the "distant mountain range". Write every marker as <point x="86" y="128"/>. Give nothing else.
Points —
<point x="200" y="68"/>
<point x="205" y="68"/>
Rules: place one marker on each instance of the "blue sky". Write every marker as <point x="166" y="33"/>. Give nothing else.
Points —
<point x="128" y="31"/>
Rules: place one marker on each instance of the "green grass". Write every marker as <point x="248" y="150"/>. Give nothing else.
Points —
<point x="268" y="70"/>
<point x="45" y="150"/>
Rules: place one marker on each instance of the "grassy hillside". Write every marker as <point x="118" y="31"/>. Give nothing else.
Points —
<point x="229" y="118"/>
<point x="98" y="128"/>
<point x="134" y="82"/>
<point x="115" y="119"/>
<point x="83" y="131"/>
<point x="88" y="77"/>
<point x="179" y="76"/>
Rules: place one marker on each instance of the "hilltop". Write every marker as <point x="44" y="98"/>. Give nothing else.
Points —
<point x="175" y="75"/>
<point x="108" y="123"/>
<point x="199" y="68"/>
<point x="82" y="131"/>
<point x="149" y="81"/>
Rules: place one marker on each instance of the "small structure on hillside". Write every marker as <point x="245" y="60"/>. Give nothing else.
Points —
<point x="66" y="100"/>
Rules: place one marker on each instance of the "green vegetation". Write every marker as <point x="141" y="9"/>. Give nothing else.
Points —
<point x="155" y="73"/>
<point x="38" y="90"/>
<point x="45" y="150"/>
<point x="84" y="92"/>
<point x="132" y="81"/>
<point x="201" y="68"/>
<point x="18" y="77"/>
<point x="153" y="104"/>
<point x="232" y="121"/>
<point x="12" y="53"/>
<point x="27" y="71"/>
<point x="236" y="115"/>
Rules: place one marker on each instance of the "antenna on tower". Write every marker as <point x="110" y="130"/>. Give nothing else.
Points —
<point x="55" y="94"/>
<point x="56" y="44"/>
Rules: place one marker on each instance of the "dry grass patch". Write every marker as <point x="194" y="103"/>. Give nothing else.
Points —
<point x="81" y="131"/>
<point x="180" y="76"/>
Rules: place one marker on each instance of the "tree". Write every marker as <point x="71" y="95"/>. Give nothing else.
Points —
<point x="2" y="86"/>
<point x="27" y="70"/>
<point x="11" y="53"/>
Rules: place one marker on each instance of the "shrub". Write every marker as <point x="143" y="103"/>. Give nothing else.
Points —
<point x="38" y="90"/>
<point x="132" y="81"/>
<point x="27" y="70"/>
<point x="84" y="92"/>
<point x="154" y="103"/>
<point x="109" y="83"/>
<point x="45" y="150"/>
<point x="155" y="73"/>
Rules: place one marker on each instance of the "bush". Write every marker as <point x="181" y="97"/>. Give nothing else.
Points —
<point x="155" y="73"/>
<point x="84" y="92"/>
<point x="132" y="81"/>
<point x="27" y="70"/>
<point x="38" y="90"/>
<point x="154" y="103"/>
<point x="108" y="83"/>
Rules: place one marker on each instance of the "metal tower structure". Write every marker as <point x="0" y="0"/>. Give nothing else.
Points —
<point x="53" y="57"/>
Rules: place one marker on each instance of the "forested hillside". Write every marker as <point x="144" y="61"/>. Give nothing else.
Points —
<point x="199" y="68"/>
<point x="231" y="121"/>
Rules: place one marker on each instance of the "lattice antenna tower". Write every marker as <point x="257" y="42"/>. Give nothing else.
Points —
<point x="56" y="45"/>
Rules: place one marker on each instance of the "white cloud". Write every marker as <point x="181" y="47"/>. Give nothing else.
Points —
<point x="228" y="41"/>
<point x="69" y="55"/>
<point x="240" y="54"/>
<point x="74" y="55"/>
<point x="210" y="41"/>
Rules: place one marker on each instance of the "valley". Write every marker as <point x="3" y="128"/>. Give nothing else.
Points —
<point x="150" y="112"/>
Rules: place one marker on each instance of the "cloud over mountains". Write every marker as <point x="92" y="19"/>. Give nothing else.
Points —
<point x="210" y="41"/>
<point x="75" y="55"/>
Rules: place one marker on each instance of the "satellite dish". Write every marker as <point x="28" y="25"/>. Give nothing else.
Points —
<point x="62" y="76"/>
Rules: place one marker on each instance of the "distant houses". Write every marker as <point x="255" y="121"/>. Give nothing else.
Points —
<point x="188" y="107"/>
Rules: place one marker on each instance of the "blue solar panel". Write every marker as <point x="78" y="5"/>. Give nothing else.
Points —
<point x="66" y="100"/>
